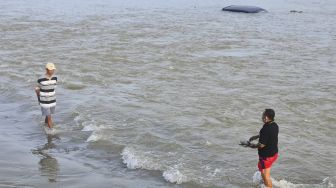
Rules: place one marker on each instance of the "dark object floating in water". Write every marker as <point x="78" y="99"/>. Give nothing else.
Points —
<point x="295" y="11"/>
<point x="244" y="9"/>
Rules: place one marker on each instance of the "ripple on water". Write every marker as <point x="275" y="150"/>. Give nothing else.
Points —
<point x="74" y="86"/>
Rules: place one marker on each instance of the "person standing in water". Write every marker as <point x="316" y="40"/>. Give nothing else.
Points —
<point x="45" y="92"/>
<point x="267" y="145"/>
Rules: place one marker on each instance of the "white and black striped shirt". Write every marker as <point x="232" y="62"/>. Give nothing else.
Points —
<point x="47" y="87"/>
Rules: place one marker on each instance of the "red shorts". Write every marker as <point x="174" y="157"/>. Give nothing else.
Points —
<point x="266" y="162"/>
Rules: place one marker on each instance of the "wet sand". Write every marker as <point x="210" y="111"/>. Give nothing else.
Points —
<point x="35" y="164"/>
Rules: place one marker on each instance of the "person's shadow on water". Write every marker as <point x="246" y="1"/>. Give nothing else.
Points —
<point x="48" y="165"/>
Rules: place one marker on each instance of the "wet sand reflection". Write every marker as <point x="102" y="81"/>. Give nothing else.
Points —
<point x="48" y="165"/>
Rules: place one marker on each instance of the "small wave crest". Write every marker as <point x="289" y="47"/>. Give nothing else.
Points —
<point x="174" y="176"/>
<point x="74" y="86"/>
<point x="94" y="137"/>
<point x="135" y="160"/>
<point x="130" y="159"/>
<point x="86" y="122"/>
<point x="257" y="179"/>
<point x="139" y="160"/>
<point x="89" y="126"/>
<point x="172" y="171"/>
<point x="49" y="131"/>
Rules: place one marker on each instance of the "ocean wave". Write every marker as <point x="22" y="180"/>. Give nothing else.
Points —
<point x="13" y="185"/>
<point x="174" y="176"/>
<point x="94" y="137"/>
<point x="173" y="171"/>
<point x="138" y="160"/>
<point x="326" y="183"/>
<point x="74" y="86"/>
<point x="77" y="119"/>
<point x="89" y="126"/>
<point x="329" y="182"/>
<point x="49" y="131"/>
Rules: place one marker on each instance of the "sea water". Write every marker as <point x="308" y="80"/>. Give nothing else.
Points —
<point x="160" y="93"/>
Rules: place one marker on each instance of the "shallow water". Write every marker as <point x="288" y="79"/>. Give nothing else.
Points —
<point x="159" y="94"/>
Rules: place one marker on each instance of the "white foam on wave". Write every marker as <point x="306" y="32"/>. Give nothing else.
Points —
<point x="93" y="137"/>
<point x="77" y="119"/>
<point x="49" y="131"/>
<point x="89" y="127"/>
<point x="140" y="160"/>
<point x="173" y="173"/>
<point x="174" y="176"/>
<point x="284" y="184"/>
<point x="96" y="131"/>
<point x="257" y="179"/>
<point x="130" y="159"/>
<point x="134" y="160"/>
<point x="329" y="182"/>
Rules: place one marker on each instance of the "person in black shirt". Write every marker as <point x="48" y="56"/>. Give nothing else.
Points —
<point x="267" y="145"/>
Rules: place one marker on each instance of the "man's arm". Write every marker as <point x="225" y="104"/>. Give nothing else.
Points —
<point x="253" y="138"/>
<point x="37" y="91"/>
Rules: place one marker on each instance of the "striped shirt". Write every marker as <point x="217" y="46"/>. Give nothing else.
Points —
<point x="47" y="87"/>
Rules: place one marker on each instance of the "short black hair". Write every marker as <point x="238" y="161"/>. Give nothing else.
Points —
<point x="269" y="113"/>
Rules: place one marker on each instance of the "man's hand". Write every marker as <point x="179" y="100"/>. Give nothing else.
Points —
<point x="253" y="145"/>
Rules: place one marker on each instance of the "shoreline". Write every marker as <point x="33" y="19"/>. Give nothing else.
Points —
<point x="25" y="164"/>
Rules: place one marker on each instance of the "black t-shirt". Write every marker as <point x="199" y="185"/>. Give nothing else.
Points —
<point x="268" y="136"/>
